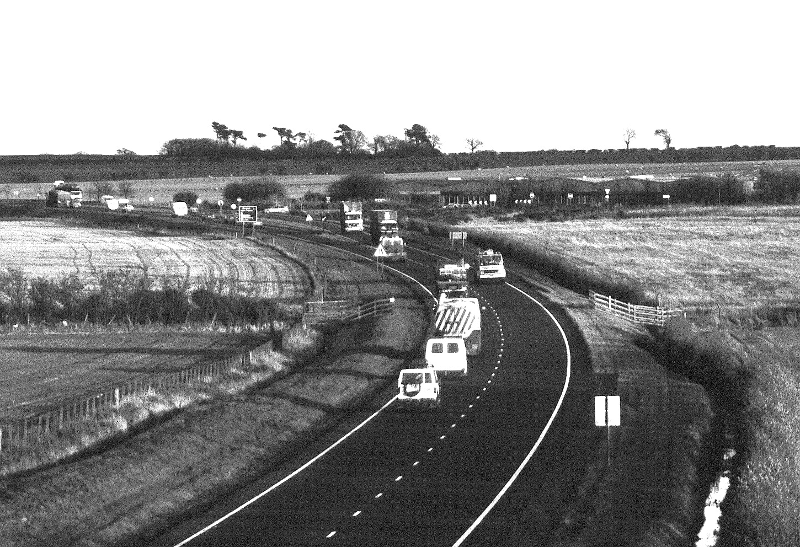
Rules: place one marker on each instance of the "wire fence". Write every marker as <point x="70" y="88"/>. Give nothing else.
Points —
<point x="345" y="311"/>
<point x="647" y="315"/>
<point x="42" y="423"/>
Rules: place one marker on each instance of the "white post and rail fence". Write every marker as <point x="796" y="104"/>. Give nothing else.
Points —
<point x="647" y="315"/>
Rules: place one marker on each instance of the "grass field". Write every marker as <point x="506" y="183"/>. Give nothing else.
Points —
<point x="725" y="259"/>
<point x="51" y="249"/>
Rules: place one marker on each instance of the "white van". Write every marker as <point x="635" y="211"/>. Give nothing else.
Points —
<point x="419" y="387"/>
<point x="447" y="355"/>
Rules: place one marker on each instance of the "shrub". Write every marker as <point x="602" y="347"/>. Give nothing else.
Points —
<point x="262" y="191"/>
<point x="186" y="196"/>
<point x="361" y="186"/>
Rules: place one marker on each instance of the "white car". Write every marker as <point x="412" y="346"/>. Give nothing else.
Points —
<point x="419" y="387"/>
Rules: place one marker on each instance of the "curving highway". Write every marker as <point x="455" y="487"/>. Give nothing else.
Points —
<point x="497" y="464"/>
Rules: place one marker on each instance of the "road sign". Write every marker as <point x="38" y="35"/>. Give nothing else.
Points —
<point x="458" y="235"/>
<point x="379" y="252"/>
<point x="248" y="213"/>
<point x="308" y="218"/>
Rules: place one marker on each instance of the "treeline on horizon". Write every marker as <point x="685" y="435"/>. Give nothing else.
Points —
<point x="182" y="158"/>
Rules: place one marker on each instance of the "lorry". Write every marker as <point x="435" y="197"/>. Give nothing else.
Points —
<point x="419" y="387"/>
<point x="447" y="355"/>
<point x="489" y="266"/>
<point x="382" y="223"/>
<point x="391" y="249"/>
<point x="451" y="279"/>
<point x="460" y="318"/>
<point x="351" y="216"/>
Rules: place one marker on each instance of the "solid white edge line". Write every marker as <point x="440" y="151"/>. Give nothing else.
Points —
<point x="516" y="474"/>
<point x="286" y="478"/>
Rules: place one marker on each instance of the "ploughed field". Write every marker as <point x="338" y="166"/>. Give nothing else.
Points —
<point x="48" y="248"/>
<point x="730" y="259"/>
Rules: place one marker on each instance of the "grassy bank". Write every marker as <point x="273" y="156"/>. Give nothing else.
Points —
<point x="201" y="452"/>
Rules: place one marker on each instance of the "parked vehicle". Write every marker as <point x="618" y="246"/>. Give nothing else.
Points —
<point x="459" y="317"/>
<point x="64" y="195"/>
<point x="489" y="266"/>
<point x="351" y="217"/>
<point x="446" y="355"/>
<point x="419" y="387"/>
<point x="180" y="209"/>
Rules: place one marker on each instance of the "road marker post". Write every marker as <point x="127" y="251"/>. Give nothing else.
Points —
<point x="607" y="413"/>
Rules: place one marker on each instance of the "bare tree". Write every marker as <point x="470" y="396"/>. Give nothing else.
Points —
<point x="629" y="135"/>
<point x="125" y="188"/>
<point x="473" y="144"/>
<point x="664" y="134"/>
<point x="102" y="188"/>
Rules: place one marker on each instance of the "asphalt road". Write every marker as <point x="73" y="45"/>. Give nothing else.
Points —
<point x="424" y="477"/>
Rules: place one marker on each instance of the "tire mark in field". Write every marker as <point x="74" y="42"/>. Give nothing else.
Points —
<point x="75" y="260"/>
<point x="90" y="261"/>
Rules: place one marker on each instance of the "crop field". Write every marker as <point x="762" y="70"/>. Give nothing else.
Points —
<point x="724" y="259"/>
<point x="43" y="248"/>
<point x="746" y="170"/>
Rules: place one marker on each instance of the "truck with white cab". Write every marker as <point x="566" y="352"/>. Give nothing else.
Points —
<point x="489" y="266"/>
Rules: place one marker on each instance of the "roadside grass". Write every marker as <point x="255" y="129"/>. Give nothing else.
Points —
<point x="132" y="491"/>
<point x="763" y="506"/>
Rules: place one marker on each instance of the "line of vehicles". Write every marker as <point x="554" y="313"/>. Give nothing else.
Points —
<point x="455" y="332"/>
<point x="454" y="335"/>
<point x="383" y="229"/>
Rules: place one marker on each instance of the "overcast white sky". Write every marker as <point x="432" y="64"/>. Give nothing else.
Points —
<point x="99" y="76"/>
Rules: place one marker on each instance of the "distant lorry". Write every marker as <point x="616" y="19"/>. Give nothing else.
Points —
<point x="351" y="216"/>
<point x="489" y="266"/>
<point x="382" y="223"/>
<point x="451" y="279"/>
<point x="419" y="387"/>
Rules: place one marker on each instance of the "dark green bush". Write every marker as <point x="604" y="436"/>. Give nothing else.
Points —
<point x="187" y="196"/>
<point x="361" y="186"/>
<point x="263" y="191"/>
